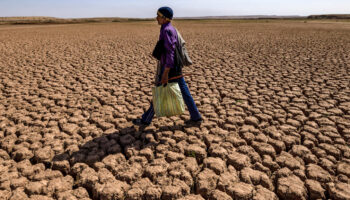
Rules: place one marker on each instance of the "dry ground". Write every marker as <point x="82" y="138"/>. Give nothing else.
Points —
<point x="275" y="98"/>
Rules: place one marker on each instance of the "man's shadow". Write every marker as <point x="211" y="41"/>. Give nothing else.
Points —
<point x="124" y="140"/>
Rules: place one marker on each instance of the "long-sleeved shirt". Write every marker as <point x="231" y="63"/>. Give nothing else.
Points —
<point x="169" y="35"/>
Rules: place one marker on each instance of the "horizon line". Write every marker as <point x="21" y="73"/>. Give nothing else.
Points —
<point x="249" y="15"/>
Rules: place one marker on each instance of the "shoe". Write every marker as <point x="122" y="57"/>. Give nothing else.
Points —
<point x="194" y="122"/>
<point x="139" y="122"/>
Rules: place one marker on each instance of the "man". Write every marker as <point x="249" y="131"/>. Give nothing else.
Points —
<point x="168" y="68"/>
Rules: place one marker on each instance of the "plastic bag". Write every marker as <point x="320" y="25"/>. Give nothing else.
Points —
<point x="168" y="101"/>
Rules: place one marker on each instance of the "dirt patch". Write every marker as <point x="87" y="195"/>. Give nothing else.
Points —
<point x="275" y="100"/>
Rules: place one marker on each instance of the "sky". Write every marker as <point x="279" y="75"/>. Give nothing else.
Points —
<point x="182" y="8"/>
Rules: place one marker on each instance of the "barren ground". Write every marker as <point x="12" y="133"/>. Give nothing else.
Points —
<point x="275" y="98"/>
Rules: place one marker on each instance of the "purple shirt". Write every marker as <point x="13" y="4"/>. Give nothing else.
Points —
<point x="169" y="35"/>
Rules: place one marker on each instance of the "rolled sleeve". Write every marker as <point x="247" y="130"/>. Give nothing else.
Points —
<point x="169" y="44"/>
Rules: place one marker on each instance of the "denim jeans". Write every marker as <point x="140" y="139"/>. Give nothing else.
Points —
<point x="191" y="106"/>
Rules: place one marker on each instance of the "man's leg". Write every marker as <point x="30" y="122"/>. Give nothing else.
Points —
<point x="148" y="115"/>
<point x="192" y="108"/>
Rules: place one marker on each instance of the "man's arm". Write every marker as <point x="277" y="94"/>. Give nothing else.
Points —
<point x="165" y="75"/>
<point x="169" y="44"/>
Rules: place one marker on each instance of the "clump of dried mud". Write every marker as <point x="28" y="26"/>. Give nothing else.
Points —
<point x="275" y="98"/>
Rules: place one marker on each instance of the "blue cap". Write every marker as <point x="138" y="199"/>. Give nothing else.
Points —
<point x="166" y="12"/>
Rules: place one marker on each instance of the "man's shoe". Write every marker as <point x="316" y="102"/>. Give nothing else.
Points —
<point x="194" y="122"/>
<point x="139" y="122"/>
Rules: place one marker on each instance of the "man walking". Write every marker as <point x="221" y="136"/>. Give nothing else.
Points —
<point x="168" y="68"/>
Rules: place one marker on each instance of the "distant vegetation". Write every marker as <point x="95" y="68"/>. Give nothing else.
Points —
<point x="247" y="17"/>
<point x="53" y="20"/>
<point x="345" y="16"/>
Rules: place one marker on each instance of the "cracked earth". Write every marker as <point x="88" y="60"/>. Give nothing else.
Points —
<point x="275" y="98"/>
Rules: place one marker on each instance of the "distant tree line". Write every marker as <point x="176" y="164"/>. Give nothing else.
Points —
<point x="52" y="20"/>
<point x="345" y="16"/>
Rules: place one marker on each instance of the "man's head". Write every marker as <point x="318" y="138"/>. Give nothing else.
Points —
<point x="164" y="15"/>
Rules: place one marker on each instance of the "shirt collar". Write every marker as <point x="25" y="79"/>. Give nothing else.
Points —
<point x="165" y="25"/>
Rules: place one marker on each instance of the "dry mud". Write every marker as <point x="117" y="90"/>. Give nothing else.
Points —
<point x="275" y="98"/>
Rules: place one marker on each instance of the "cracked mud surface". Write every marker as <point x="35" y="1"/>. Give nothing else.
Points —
<point x="275" y="98"/>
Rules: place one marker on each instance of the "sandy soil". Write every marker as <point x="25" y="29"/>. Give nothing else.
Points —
<point x="275" y="98"/>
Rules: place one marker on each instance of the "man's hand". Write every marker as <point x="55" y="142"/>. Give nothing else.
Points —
<point x="164" y="80"/>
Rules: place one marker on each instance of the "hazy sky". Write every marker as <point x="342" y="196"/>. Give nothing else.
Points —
<point x="182" y="8"/>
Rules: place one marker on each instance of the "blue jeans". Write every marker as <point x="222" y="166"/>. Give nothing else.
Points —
<point x="192" y="108"/>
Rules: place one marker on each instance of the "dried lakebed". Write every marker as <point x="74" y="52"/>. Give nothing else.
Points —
<point x="275" y="98"/>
